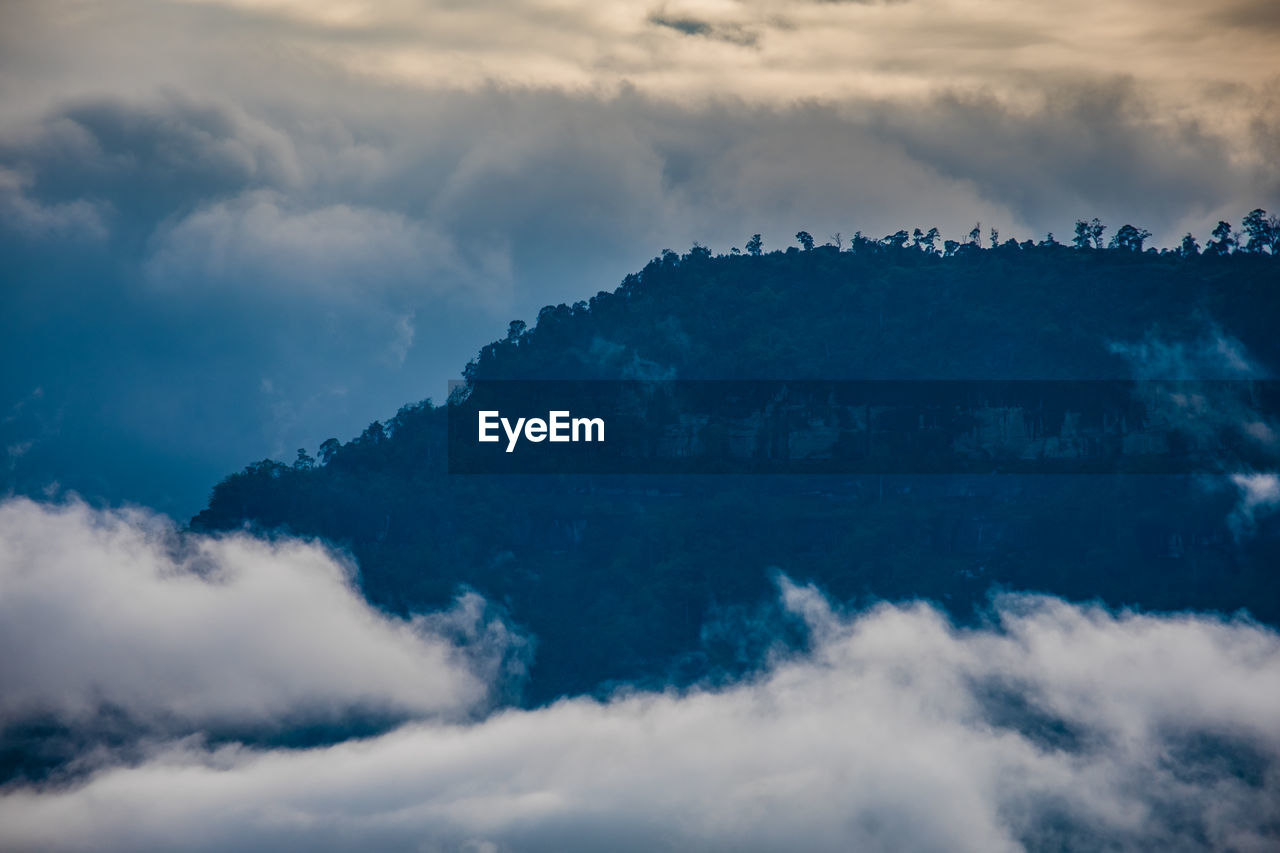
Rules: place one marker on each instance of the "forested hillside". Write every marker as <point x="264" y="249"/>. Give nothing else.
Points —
<point x="670" y="577"/>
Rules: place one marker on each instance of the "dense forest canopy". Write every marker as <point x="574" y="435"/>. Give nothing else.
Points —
<point x="671" y="577"/>
<point x="1015" y="310"/>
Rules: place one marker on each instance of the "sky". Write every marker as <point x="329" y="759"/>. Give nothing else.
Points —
<point x="233" y="228"/>
<point x="230" y="228"/>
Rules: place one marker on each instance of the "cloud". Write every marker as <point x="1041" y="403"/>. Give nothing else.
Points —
<point x="1259" y="495"/>
<point x="337" y="250"/>
<point x="146" y="157"/>
<point x="116" y="613"/>
<point x="689" y="25"/>
<point x="1212" y="354"/>
<point x="402" y="179"/>
<point x="1054" y="726"/>
<point x="1178" y="51"/>
<point x="1208" y="411"/>
<point x="71" y="221"/>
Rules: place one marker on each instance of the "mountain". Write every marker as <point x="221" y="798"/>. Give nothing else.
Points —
<point x="649" y="579"/>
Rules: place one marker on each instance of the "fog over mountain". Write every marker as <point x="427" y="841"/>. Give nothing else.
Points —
<point x="1053" y="725"/>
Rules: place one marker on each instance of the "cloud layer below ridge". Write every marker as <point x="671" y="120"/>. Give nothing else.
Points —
<point x="1054" y="724"/>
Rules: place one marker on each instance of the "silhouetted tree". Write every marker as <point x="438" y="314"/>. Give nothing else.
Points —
<point x="1083" y="238"/>
<point x="1089" y="234"/>
<point x="926" y="241"/>
<point x="1049" y="240"/>
<point x="1130" y="238"/>
<point x="1261" y="231"/>
<point x="930" y="241"/>
<point x="805" y="239"/>
<point x="1096" y="229"/>
<point x="698" y="252"/>
<point x="328" y="449"/>
<point x="975" y="236"/>
<point x="304" y="462"/>
<point x="1223" y="240"/>
<point x="755" y="245"/>
<point x="515" y="329"/>
<point x="949" y="248"/>
<point x="1189" y="248"/>
<point x="897" y="240"/>
<point x="995" y="237"/>
<point x="374" y="433"/>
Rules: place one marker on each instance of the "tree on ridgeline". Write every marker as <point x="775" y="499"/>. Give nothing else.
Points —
<point x="930" y="240"/>
<point x="1224" y="240"/>
<point x="1083" y="238"/>
<point x="897" y="240"/>
<point x="1129" y="238"/>
<point x="698" y="252"/>
<point x="1263" y="232"/>
<point x="1088" y="235"/>
<point x="328" y="449"/>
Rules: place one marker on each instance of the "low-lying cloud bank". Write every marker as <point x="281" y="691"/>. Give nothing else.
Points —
<point x="1053" y="726"/>
<point x="116" y="613"/>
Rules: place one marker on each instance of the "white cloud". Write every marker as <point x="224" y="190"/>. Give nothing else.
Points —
<point x="115" y="611"/>
<point x="778" y="50"/>
<point x="1214" y="354"/>
<point x="318" y="251"/>
<point x="1259" y="494"/>
<point x="1207" y="411"/>
<point x="1059" y="726"/>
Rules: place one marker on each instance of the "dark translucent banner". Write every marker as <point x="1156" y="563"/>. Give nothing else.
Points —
<point x="862" y="427"/>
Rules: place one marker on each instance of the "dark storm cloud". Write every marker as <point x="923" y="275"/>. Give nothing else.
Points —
<point x="1249" y="14"/>
<point x="1093" y="150"/>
